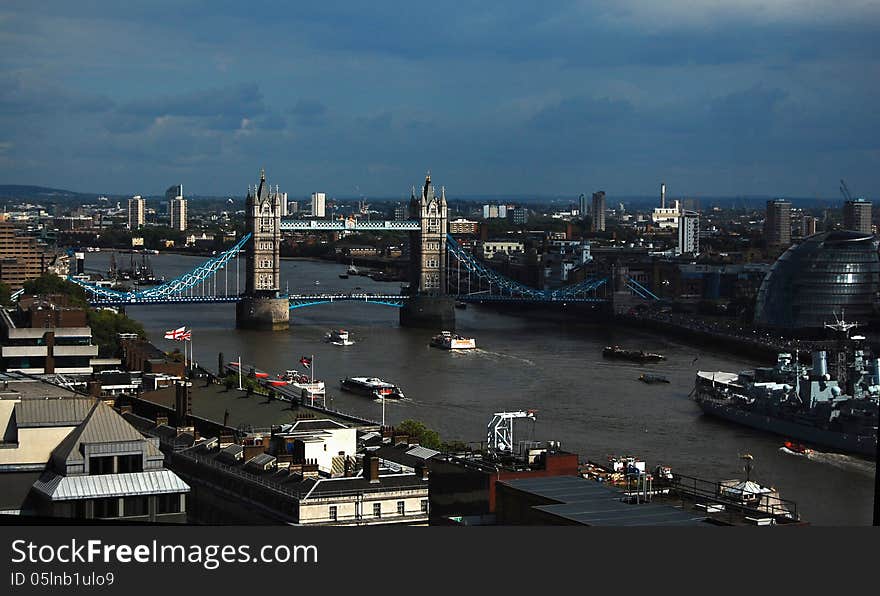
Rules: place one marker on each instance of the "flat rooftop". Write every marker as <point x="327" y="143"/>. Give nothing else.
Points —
<point x="593" y="503"/>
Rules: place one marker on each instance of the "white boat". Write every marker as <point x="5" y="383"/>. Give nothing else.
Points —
<point x="372" y="387"/>
<point x="352" y="270"/>
<point x="451" y="341"/>
<point x="302" y="383"/>
<point x="339" y="337"/>
<point x="317" y="283"/>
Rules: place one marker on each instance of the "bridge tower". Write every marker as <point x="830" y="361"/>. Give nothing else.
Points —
<point x="429" y="305"/>
<point x="261" y="307"/>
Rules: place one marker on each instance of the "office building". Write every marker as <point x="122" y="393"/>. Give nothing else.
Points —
<point x="136" y="208"/>
<point x="464" y="226"/>
<point x="71" y="456"/>
<point x="44" y="335"/>
<point x="777" y="224"/>
<point x="319" y="200"/>
<point x="857" y="216"/>
<point x="401" y="212"/>
<point x="598" y="212"/>
<point x="689" y="233"/>
<point x="490" y="248"/>
<point x="808" y="225"/>
<point x="663" y="195"/>
<point x="519" y="215"/>
<point x="293" y="207"/>
<point x="583" y="205"/>
<point x="176" y="207"/>
<point x="22" y="258"/>
<point x="830" y="272"/>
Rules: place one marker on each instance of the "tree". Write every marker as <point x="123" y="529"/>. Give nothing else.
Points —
<point x="107" y="325"/>
<point x="419" y="433"/>
<point x="49" y="283"/>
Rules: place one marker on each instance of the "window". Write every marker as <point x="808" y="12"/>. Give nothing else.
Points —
<point x="168" y="503"/>
<point x="400" y="508"/>
<point x="424" y="505"/>
<point x="106" y="508"/>
<point x="127" y="464"/>
<point x="377" y="509"/>
<point x="132" y="506"/>
<point x="333" y="512"/>
<point x="100" y="465"/>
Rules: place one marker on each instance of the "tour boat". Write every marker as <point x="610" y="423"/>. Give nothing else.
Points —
<point x="372" y="387"/>
<point x="451" y="341"/>
<point x="339" y="337"/>
<point x="308" y="388"/>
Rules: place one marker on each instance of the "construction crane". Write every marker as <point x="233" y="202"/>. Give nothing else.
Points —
<point x="500" y="430"/>
<point x="845" y="191"/>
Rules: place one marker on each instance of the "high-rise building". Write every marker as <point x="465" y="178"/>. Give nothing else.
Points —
<point x="598" y="212"/>
<point x="689" y="233"/>
<point x="808" y="225"/>
<point x="401" y="212"/>
<point x="777" y="224"/>
<point x="21" y="257"/>
<point x="319" y="201"/>
<point x="857" y="216"/>
<point x="663" y="195"/>
<point x="583" y="205"/>
<point x="519" y="215"/>
<point x="176" y="207"/>
<point x="136" y="207"/>
<point x="292" y="207"/>
<point x="284" y="206"/>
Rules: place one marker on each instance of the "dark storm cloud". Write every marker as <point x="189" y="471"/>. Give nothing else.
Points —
<point x="502" y="96"/>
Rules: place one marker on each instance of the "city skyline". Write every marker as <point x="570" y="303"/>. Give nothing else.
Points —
<point x="742" y="100"/>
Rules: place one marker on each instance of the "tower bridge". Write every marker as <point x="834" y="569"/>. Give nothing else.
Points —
<point x="441" y="271"/>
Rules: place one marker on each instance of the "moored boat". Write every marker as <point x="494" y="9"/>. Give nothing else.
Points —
<point x="651" y="379"/>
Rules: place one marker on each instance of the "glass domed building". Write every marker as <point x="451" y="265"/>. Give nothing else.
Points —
<point x="824" y="274"/>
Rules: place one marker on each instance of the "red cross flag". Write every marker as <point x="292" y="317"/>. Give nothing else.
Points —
<point x="175" y="333"/>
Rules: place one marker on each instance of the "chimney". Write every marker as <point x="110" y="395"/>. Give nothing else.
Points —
<point x="182" y="403"/>
<point x="371" y="468"/>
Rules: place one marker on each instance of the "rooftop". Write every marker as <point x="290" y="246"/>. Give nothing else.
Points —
<point x="592" y="503"/>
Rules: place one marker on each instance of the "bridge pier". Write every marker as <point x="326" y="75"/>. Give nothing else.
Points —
<point x="268" y="314"/>
<point x="433" y="312"/>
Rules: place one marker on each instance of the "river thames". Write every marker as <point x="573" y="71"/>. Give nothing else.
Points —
<point x="595" y="407"/>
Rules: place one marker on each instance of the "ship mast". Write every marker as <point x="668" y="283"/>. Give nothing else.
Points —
<point x="843" y="328"/>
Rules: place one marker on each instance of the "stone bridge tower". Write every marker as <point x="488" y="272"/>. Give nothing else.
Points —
<point x="261" y="307"/>
<point x="428" y="246"/>
<point x="429" y="305"/>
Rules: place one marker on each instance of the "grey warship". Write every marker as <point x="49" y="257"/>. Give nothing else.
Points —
<point x="802" y="403"/>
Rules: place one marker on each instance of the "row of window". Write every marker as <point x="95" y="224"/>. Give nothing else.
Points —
<point x="432" y="280"/>
<point x="377" y="509"/>
<point x="132" y="506"/>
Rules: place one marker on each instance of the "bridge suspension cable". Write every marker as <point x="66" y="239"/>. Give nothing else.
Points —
<point x="198" y="285"/>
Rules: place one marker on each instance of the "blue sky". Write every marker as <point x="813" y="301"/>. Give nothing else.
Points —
<point x="771" y="97"/>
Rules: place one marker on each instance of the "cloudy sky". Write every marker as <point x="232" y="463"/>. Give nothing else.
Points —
<point x="775" y="97"/>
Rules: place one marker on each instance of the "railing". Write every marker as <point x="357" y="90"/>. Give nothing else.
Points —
<point x="705" y="491"/>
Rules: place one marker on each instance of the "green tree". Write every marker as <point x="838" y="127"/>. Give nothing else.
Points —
<point x="49" y="283"/>
<point x="419" y="433"/>
<point x="107" y="325"/>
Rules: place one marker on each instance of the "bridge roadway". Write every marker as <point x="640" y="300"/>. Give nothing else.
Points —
<point x="323" y="225"/>
<point x="303" y="300"/>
